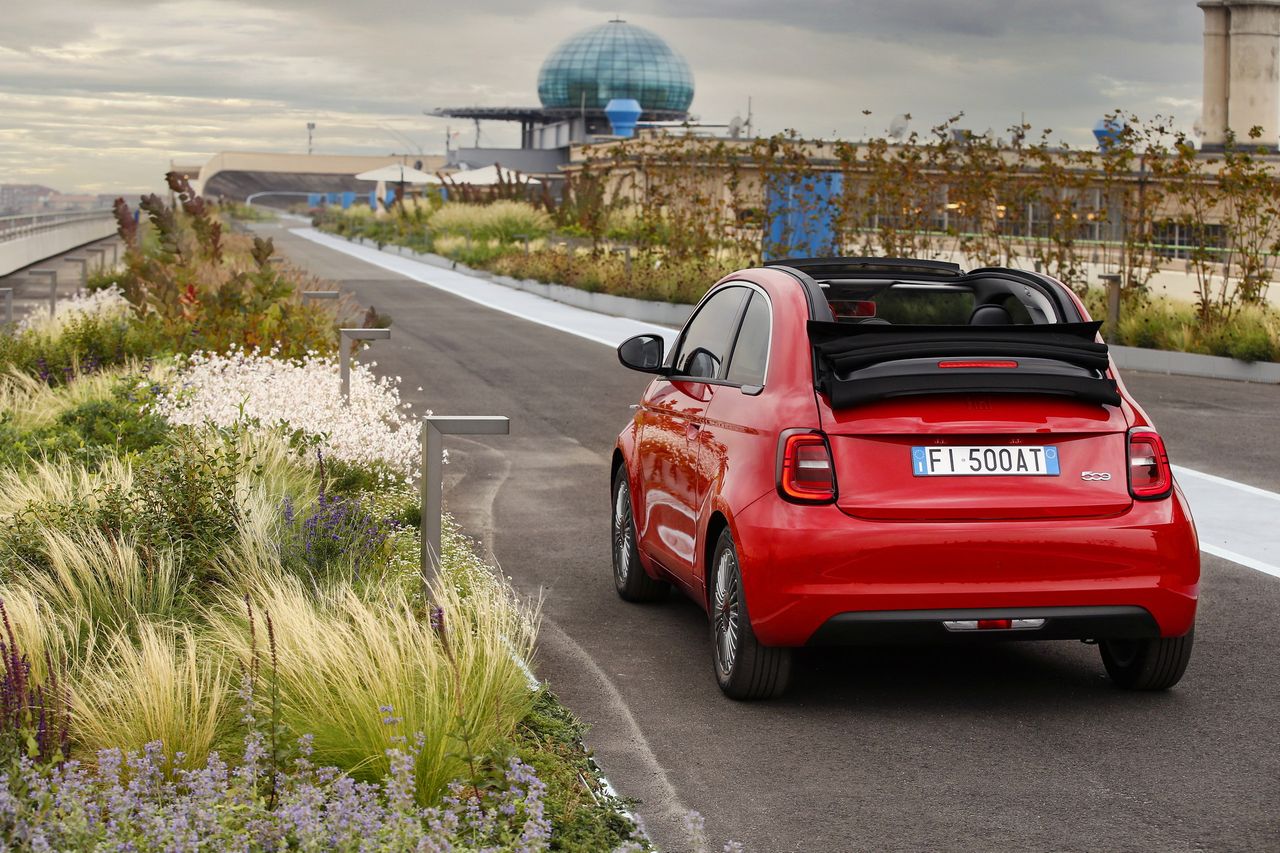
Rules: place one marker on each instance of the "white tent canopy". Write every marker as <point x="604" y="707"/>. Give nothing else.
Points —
<point x="398" y="173"/>
<point x="490" y="175"/>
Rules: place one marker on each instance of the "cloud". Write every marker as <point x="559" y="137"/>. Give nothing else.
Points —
<point x="101" y="94"/>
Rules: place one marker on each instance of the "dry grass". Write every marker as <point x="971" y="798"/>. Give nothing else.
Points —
<point x="157" y="682"/>
<point x="106" y="582"/>
<point x="341" y="657"/>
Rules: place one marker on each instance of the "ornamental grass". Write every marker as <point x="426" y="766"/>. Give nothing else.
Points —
<point x="355" y="672"/>
<point x="154" y="682"/>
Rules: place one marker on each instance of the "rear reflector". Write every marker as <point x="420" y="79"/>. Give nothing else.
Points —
<point x="948" y="365"/>
<point x="993" y="624"/>
<point x="805" y="472"/>
<point x="1150" y="477"/>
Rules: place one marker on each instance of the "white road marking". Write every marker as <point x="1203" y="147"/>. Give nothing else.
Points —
<point x="1236" y="521"/>
<point x="600" y="328"/>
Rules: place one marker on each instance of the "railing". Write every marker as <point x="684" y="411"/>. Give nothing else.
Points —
<point x="27" y="224"/>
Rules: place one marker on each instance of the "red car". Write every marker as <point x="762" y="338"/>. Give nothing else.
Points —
<point x="865" y="450"/>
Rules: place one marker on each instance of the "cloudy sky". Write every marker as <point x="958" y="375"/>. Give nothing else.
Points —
<point x="99" y="95"/>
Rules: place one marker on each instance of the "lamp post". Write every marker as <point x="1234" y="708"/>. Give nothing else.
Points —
<point x="434" y="429"/>
<point x="84" y="268"/>
<point x="344" y="353"/>
<point x="1112" y="282"/>
<point x="52" y="275"/>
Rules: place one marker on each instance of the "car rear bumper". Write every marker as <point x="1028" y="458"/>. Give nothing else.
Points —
<point x="927" y="626"/>
<point x="812" y="574"/>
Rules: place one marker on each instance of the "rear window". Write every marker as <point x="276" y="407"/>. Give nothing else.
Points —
<point x="907" y="305"/>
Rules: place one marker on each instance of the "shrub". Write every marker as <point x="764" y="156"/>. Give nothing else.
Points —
<point x="82" y="345"/>
<point x="501" y="220"/>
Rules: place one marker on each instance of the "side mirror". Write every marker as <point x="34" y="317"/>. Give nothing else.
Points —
<point x="643" y="353"/>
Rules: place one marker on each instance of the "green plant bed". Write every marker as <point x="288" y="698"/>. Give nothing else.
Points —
<point x="1252" y="333"/>
<point x="585" y="817"/>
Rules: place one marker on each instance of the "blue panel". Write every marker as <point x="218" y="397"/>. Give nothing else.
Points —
<point x="373" y="199"/>
<point x="314" y="199"/>
<point x="801" y="213"/>
<point x="347" y="198"/>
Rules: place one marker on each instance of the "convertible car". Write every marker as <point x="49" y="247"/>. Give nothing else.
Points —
<point x="884" y="450"/>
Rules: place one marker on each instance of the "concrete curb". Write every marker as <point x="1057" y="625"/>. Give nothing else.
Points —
<point x="1194" y="364"/>
<point x="674" y="315"/>
<point x="643" y="310"/>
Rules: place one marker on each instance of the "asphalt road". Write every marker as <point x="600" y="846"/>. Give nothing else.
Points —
<point x="1018" y="747"/>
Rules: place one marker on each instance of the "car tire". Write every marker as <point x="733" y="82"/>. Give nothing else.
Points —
<point x="744" y="668"/>
<point x="1147" y="664"/>
<point x="629" y="577"/>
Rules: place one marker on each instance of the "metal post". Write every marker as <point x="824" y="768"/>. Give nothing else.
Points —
<point x="8" y="305"/>
<point x="102" y="257"/>
<point x="344" y="353"/>
<point x="1112" y="282"/>
<point x="525" y="238"/>
<point x="53" y="288"/>
<point x="627" y="254"/>
<point x="84" y="269"/>
<point x="320" y="294"/>
<point x="434" y="429"/>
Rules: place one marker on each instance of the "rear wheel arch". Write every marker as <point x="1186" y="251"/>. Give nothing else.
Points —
<point x="716" y="525"/>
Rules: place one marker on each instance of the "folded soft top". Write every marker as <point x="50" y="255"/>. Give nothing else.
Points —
<point x="1062" y="359"/>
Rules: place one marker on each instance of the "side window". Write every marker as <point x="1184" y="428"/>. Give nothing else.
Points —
<point x="751" y="352"/>
<point x="708" y="336"/>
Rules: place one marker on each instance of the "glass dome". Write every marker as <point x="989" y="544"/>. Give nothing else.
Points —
<point x="615" y="60"/>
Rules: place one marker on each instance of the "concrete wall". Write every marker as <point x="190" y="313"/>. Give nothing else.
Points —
<point x="25" y="251"/>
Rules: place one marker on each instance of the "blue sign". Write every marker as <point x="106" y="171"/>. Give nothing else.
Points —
<point x="801" y="215"/>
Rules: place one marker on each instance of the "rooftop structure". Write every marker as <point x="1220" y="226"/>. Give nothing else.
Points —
<point x="614" y="61"/>
<point x="1241" y="71"/>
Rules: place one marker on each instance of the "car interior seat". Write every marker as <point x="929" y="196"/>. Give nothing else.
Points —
<point x="990" y="315"/>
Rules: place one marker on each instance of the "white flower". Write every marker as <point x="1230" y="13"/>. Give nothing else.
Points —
<point x="304" y="395"/>
<point x="100" y="303"/>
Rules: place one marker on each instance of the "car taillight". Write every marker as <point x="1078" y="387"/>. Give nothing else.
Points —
<point x="1150" y="477"/>
<point x="805" y="472"/>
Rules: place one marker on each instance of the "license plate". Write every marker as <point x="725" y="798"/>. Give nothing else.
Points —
<point x="1005" y="460"/>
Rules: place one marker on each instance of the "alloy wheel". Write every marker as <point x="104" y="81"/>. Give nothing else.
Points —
<point x="726" y="614"/>
<point x="622" y="527"/>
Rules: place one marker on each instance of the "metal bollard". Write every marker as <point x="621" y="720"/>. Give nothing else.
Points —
<point x="344" y="353"/>
<point x="434" y="429"/>
<point x="525" y="238"/>
<point x="8" y="305"/>
<point x="53" y="288"/>
<point x="84" y="269"/>
<point x="1112" y="282"/>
